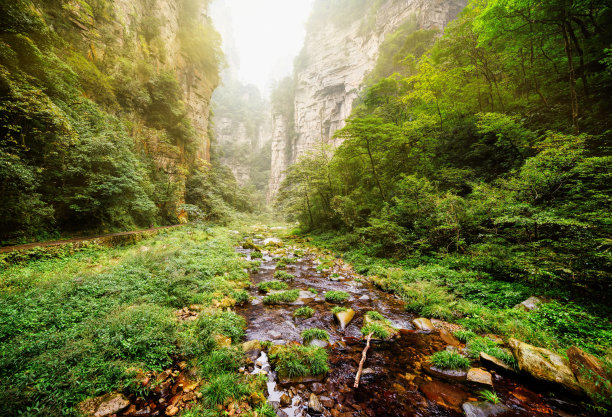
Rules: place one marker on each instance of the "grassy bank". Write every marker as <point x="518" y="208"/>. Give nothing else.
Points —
<point x="84" y="324"/>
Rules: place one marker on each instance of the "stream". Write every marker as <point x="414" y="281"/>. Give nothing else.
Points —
<point x="396" y="379"/>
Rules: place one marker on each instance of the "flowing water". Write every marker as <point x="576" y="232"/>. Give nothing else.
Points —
<point x="394" y="380"/>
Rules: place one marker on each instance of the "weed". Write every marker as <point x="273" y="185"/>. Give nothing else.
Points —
<point x="283" y="276"/>
<point x="267" y="286"/>
<point x="297" y="361"/>
<point x="282" y="297"/>
<point x="309" y="335"/>
<point x="490" y="396"/>
<point x="449" y="360"/>
<point x="305" y="312"/>
<point x="336" y="296"/>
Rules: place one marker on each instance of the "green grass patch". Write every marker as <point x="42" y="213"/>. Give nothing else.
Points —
<point x="475" y="345"/>
<point x="313" y="290"/>
<point x="378" y="330"/>
<point x="309" y="335"/>
<point x="449" y="360"/>
<point x="283" y="276"/>
<point x="464" y="335"/>
<point x="256" y="255"/>
<point x="338" y="309"/>
<point x="223" y="386"/>
<point x="304" y="312"/>
<point x="282" y="297"/>
<point x="297" y="361"/>
<point x="267" y="286"/>
<point x="375" y="315"/>
<point x="336" y="296"/>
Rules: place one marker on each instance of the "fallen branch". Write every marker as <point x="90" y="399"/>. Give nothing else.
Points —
<point x="363" y="358"/>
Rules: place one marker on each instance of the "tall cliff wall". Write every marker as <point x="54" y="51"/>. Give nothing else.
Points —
<point x="334" y="62"/>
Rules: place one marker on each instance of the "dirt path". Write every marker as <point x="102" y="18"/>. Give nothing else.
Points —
<point x="26" y="246"/>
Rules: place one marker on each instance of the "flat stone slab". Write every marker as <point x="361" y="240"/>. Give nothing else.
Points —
<point x="484" y="409"/>
<point x="480" y="376"/>
<point x="423" y="324"/>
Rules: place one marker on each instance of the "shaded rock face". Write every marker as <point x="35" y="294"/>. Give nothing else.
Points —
<point x="590" y="373"/>
<point x="485" y="409"/>
<point x="334" y="63"/>
<point x="544" y="365"/>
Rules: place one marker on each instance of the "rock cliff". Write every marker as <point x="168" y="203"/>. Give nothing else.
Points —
<point x="334" y="62"/>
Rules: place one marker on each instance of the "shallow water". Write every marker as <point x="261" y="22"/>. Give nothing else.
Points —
<point x="394" y="382"/>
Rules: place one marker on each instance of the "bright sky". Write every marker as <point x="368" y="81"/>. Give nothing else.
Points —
<point x="268" y="35"/>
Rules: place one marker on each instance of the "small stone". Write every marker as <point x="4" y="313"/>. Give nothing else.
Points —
<point x="480" y="376"/>
<point x="532" y="303"/>
<point x="327" y="402"/>
<point x="285" y="401"/>
<point x="172" y="410"/>
<point x="345" y="317"/>
<point x="423" y="324"/>
<point x="317" y="387"/>
<point x="314" y="405"/>
<point x="105" y="405"/>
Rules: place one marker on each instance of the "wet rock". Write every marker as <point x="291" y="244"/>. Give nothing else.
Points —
<point x="317" y="388"/>
<point x="544" y="365"/>
<point x="444" y="394"/>
<point x="449" y="374"/>
<point x="364" y="298"/>
<point x="532" y="303"/>
<point x="327" y="402"/>
<point x="256" y="301"/>
<point x="248" y="244"/>
<point x="484" y="409"/>
<point x="423" y="324"/>
<point x="272" y="241"/>
<point x="172" y="410"/>
<point x="306" y="295"/>
<point x="285" y="401"/>
<point x="493" y="362"/>
<point x="301" y="380"/>
<point x="274" y="334"/>
<point x="479" y="376"/>
<point x="252" y="348"/>
<point x="314" y="405"/>
<point x="448" y="337"/>
<point x="319" y="343"/>
<point x="105" y="405"/>
<point x="345" y="317"/>
<point x="590" y="373"/>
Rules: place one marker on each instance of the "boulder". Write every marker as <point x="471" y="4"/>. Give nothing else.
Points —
<point x="544" y="365"/>
<point x="449" y="374"/>
<point x="443" y="394"/>
<point x="590" y="373"/>
<point x="532" y="303"/>
<point x="484" y="409"/>
<point x="448" y="338"/>
<point x="491" y="361"/>
<point x="345" y="317"/>
<point x="105" y="405"/>
<point x="480" y="376"/>
<point x="423" y="324"/>
<point x="285" y="401"/>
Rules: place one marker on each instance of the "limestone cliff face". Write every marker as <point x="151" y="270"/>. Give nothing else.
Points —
<point x="280" y="157"/>
<point x="335" y="61"/>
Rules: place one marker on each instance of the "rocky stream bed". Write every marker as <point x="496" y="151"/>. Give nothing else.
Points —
<point x="397" y="378"/>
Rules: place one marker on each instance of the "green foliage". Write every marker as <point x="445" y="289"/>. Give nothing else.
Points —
<point x="378" y="330"/>
<point x="475" y="345"/>
<point x="313" y="290"/>
<point x="297" y="361"/>
<point x="267" y="286"/>
<point x="375" y="315"/>
<point x="256" y="255"/>
<point x="488" y="395"/>
<point x="283" y="276"/>
<point x="449" y="360"/>
<point x="305" y="312"/>
<point x="464" y="335"/>
<point x="309" y="335"/>
<point x="336" y="296"/>
<point x="282" y="297"/>
<point x="222" y="387"/>
<point x="338" y="309"/>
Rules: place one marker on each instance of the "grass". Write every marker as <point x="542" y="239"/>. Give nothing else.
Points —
<point x="304" y="312"/>
<point x="464" y="335"/>
<point x="292" y="361"/>
<point x="267" y="286"/>
<point x="75" y="325"/>
<point x="338" y="309"/>
<point x="284" y="276"/>
<point x="378" y="330"/>
<point x="375" y="315"/>
<point x="309" y="335"/>
<point x="488" y="395"/>
<point x="477" y="344"/>
<point x="449" y="360"/>
<point x="282" y="297"/>
<point x="221" y="387"/>
<point x="313" y="290"/>
<point x="336" y="296"/>
<point x="256" y="255"/>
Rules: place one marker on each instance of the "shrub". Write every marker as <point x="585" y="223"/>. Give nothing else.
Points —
<point x="309" y="335"/>
<point x="305" y="312"/>
<point x="449" y="360"/>
<point x="297" y="361"/>
<point x="145" y="333"/>
<point x="272" y="285"/>
<point x="336" y="296"/>
<point x="282" y="297"/>
<point x="283" y="276"/>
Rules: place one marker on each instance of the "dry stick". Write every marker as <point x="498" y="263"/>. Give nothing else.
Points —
<point x="363" y="358"/>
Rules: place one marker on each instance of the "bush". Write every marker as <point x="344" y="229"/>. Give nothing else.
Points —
<point x="305" y="312"/>
<point x="336" y="296"/>
<point x="298" y="361"/>
<point x="309" y="335"/>
<point x="449" y="360"/>
<point x="144" y="333"/>
<point x="282" y="297"/>
<point x="267" y="286"/>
